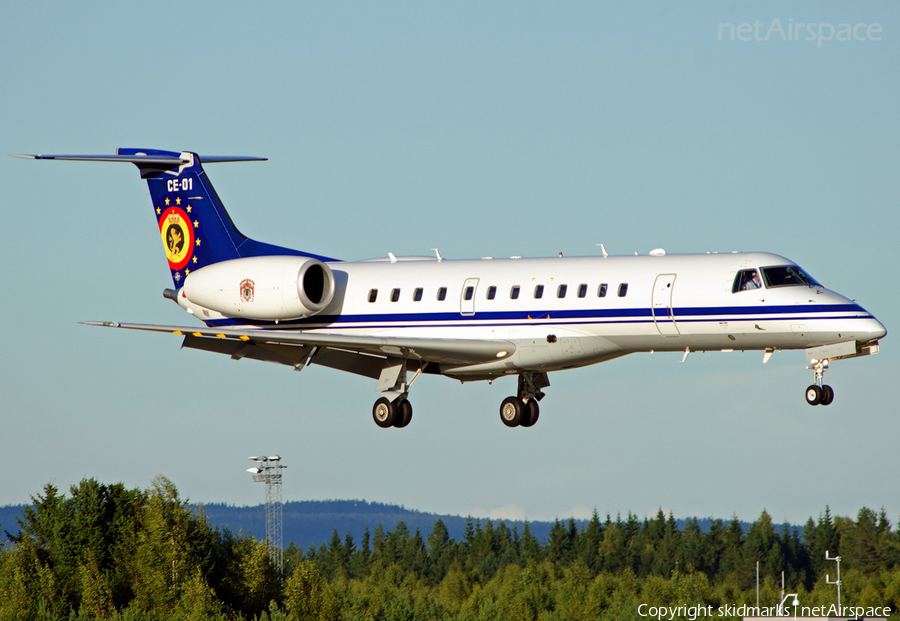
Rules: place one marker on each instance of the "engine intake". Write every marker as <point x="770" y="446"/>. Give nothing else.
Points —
<point x="267" y="288"/>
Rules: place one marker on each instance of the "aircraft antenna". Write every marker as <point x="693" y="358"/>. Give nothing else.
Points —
<point x="268" y="471"/>
<point x="603" y="249"/>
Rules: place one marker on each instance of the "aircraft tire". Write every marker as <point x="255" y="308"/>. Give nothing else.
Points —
<point x="829" y="395"/>
<point x="404" y="413"/>
<point x="814" y="395"/>
<point x="384" y="412"/>
<point x="511" y="411"/>
<point x="531" y="413"/>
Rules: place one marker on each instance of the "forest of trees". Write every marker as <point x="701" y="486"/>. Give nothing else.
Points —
<point x="108" y="552"/>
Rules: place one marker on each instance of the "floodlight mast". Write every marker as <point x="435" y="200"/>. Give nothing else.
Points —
<point x="837" y="582"/>
<point x="268" y="471"/>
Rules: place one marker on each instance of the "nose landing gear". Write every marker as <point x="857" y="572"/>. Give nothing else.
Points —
<point x="819" y="393"/>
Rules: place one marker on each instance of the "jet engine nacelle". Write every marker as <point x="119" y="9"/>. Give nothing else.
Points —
<point x="268" y="288"/>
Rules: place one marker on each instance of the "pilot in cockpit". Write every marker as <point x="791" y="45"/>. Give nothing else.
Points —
<point x="752" y="281"/>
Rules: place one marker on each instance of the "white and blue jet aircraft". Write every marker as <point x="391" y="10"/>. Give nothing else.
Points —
<point x="395" y="318"/>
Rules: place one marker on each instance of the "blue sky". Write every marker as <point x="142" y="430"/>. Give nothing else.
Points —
<point x="500" y="129"/>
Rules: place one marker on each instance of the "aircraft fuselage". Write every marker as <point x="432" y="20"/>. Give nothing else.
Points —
<point x="573" y="311"/>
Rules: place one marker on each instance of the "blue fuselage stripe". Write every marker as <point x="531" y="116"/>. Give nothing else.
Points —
<point x="585" y="316"/>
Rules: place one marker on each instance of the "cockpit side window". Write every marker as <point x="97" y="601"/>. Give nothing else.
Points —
<point x="788" y="276"/>
<point x="746" y="280"/>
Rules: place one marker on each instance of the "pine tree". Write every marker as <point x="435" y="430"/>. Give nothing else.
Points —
<point x="308" y="596"/>
<point x="714" y="545"/>
<point x="828" y="540"/>
<point x="588" y="544"/>
<point x="96" y="593"/>
<point x="378" y="545"/>
<point x="859" y="543"/>
<point x="365" y="554"/>
<point x="561" y="546"/>
<point x="396" y="543"/>
<point x="691" y="556"/>
<point x="733" y="541"/>
<point x="332" y="563"/>
<point x="761" y="545"/>
<point x="440" y="550"/>
<point x="613" y="548"/>
<point x="348" y="554"/>
<point x="163" y="562"/>
<point x="531" y="548"/>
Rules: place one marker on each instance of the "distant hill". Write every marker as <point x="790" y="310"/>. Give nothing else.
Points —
<point x="312" y="522"/>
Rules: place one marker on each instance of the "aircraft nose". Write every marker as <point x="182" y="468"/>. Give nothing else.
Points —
<point x="875" y="329"/>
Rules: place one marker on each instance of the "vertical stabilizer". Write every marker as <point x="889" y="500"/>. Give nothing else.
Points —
<point x="191" y="221"/>
<point x="194" y="227"/>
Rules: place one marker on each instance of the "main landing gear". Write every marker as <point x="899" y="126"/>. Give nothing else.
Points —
<point x="394" y="409"/>
<point x="819" y="393"/>
<point x="396" y="413"/>
<point x="523" y="410"/>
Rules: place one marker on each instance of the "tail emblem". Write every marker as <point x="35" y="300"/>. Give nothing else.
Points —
<point x="177" y="236"/>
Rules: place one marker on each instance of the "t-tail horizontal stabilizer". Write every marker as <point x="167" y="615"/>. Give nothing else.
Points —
<point x="151" y="162"/>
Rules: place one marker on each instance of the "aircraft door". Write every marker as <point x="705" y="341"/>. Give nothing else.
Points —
<point x="467" y="297"/>
<point x="663" y="312"/>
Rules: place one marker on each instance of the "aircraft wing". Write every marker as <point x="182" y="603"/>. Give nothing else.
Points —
<point x="364" y="355"/>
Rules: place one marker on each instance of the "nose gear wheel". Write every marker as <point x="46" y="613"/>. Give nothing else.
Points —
<point x="819" y="393"/>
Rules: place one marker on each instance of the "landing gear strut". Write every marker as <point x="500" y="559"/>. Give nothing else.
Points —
<point x="819" y="393"/>
<point x="523" y="409"/>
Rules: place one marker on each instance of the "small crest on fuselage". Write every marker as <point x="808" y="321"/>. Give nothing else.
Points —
<point x="247" y="288"/>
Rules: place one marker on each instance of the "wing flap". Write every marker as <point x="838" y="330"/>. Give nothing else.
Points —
<point x="296" y="356"/>
<point x="442" y="351"/>
<point x="290" y="355"/>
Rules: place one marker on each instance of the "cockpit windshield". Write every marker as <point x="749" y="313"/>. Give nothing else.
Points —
<point x="788" y="276"/>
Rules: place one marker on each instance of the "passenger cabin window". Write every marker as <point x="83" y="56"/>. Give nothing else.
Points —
<point x="470" y="291"/>
<point x="788" y="276"/>
<point x="373" y="295"/>
<point x="582" y="290"/>
<point x="601" y="291"/>
<point x="442" y="294"/>
<point x="514" y="293"/>
<point x="395" y="295"/>
<point x="746" y="280"/>
<point x="561" y="291"/>
<point x="623" y="289"/>
<point x="538" y="292"/>
<point x="491" y="293"/>
<point x="417" y="294"/>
